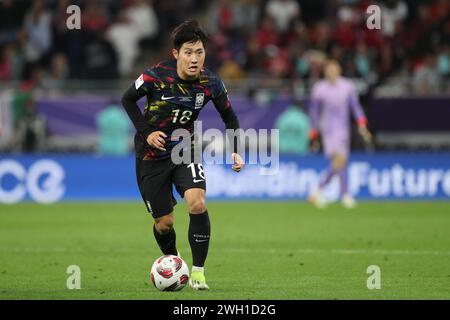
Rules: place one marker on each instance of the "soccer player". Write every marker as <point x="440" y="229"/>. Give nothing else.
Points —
<point x="176" y="91"/>
<point x="333" y="98"/>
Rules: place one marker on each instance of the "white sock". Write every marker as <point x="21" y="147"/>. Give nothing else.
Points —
<point x="198" y="269"/>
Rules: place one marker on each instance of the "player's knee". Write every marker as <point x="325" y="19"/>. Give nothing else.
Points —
<point x="163" y="228"/>
<point x="339" y="162"/>
<point x="164" y="224"/>
<point x="197" y="205"/>
<point x="338" y="166"/>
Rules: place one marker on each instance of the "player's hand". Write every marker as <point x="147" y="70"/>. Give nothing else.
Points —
<point x="315" y="145"/>
<point x="365" y="134"/>
<point x="156" y="140"/>
<point x="238" y="163"/>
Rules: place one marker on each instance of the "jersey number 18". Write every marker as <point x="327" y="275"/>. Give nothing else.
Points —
<point x="185" y="116"/>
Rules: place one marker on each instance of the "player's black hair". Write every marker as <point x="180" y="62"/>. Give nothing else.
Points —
<point x="189" y="31"/>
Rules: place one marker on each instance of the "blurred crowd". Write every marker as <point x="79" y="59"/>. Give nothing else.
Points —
<point x="285" y="41"/>
<point x="290" y="39"/>
<point x="275" y="38"/>
<point x="114" y="35"/>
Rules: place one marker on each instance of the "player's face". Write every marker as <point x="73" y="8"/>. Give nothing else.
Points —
<point x="190" y="59"/>
<point x="332" y="71"/>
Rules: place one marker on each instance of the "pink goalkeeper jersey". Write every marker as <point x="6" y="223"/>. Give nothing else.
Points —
<point x="330" y="109"/>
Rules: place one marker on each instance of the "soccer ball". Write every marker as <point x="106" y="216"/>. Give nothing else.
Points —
<point x="169" y="273"/>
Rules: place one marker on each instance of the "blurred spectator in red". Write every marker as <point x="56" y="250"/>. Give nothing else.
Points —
<point x="94" y="17"/>
<point x="320" y="36"/>
<point x="266" y="34"/>
<point x="11" y="63"/>
<point x="236" y="20"/>
<point x="254" y="34"/>
<point x="278" y="62"/>
<point x="410" y="33"/>
<point x="6" y="63"/>
<point x="344" y="32"/>
<point x="372" y="38"/>
<point x="225" y="15"/>
<point x="385" y="59"/>
<point x="439" y="9"/>
<point x="220" y="43"/>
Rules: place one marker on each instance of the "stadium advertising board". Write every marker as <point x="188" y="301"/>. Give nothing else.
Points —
<point x="54" y="178"/>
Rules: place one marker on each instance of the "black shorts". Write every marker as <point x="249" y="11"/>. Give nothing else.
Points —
<point x="156" y="178"/>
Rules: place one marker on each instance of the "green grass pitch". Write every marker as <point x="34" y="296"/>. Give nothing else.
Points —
<point x="259" y="250"/>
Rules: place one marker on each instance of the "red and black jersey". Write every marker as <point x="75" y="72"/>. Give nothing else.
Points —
<point x="173" y="103"/>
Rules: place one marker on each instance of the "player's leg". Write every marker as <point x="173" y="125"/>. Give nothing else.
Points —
<point x="156" y="190"/>
<point x="190" y="183"/>
<point x="329" y="144"/>
<point x="199" y="227"/>
<point x="336" y="147"/>
<point x="316" y="197"/>
<point x="329" y="173"/>
<point x="199" y="234"/>
<point x="165" y="235"/>
<point x="340" y="165"/>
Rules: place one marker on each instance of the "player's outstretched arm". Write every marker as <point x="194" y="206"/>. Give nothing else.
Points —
<point x="365" y="134"/>
<point x="314" y="114"/>
<point x="360" y="117"/>
<point x="223" y="106"/>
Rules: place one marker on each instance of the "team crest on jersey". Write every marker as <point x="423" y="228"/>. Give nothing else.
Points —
<point x="199" y="98"/>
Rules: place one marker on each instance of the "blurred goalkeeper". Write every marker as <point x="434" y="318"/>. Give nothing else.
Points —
<point x="332" y="100"/>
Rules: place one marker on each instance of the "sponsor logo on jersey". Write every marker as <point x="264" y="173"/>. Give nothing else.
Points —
<point x="166" y="98"/>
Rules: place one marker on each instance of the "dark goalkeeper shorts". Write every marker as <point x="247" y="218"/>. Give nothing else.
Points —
<point x="156" y="178"/>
